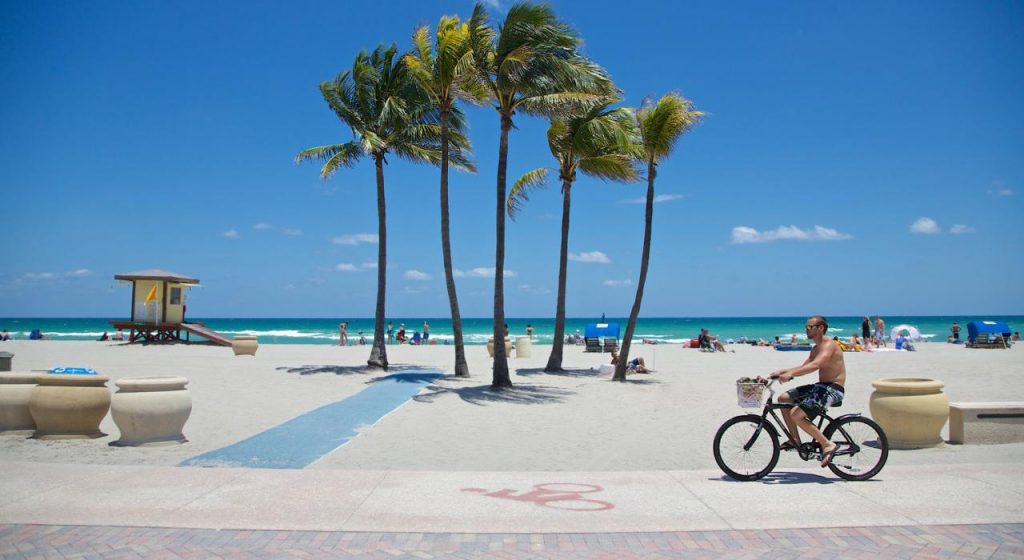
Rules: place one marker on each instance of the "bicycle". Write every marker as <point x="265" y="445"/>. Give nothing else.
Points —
<point x="747" y="446"/>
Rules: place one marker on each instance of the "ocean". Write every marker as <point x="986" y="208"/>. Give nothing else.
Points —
<point x="478" y="330"/>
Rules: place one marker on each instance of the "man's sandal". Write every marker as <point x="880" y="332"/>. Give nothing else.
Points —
<point x="826" y="457"/>
<point x="787" y="446"/>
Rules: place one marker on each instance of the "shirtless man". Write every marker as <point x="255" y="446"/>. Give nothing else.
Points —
<point x="811" y="400"/>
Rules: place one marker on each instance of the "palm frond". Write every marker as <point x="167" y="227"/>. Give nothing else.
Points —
<point x="335" y="157"/>
<point x="610" y="167"/>
<point x="662" y="123"/>
<point x="518" y="195"/>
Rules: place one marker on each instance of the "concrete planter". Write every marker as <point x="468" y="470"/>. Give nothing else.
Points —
<point x="508" y="347"/>
<point x="245" y="345"/>
<point x="15" y="393"/>
<point x="151" y="410"/>
<point x="911" y="411"/>
<point x="68" y="406"/>
<point x="523" y="346"/>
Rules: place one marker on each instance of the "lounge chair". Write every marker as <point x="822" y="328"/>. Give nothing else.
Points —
<point x="593" y="344"/>
<point x="611" y="345"/>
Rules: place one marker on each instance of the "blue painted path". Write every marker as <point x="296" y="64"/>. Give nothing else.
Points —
<point x="302" y="440"/>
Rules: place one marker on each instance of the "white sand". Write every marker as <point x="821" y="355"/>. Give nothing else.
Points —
<point x="578" y="421"/>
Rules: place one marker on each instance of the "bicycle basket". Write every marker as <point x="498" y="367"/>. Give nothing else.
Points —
<point x="750" y="395"/>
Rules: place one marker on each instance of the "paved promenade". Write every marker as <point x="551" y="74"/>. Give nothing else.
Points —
<point x="102" y="511"/>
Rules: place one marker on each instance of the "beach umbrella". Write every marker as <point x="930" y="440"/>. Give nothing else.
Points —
<point x="912" y="332"/>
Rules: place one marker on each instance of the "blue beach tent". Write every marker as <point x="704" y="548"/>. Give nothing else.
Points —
<point x="602" y="330"/>
<point x="974" y="328"/>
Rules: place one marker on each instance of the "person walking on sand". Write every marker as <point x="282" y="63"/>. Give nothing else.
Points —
<point x="426" y="332"/>
<point x="955" y="329"/>
<point x="865" y="329"/>
<point x="880" y="329"/>
<point x="529" y="331"/>
<point x="391" y="332"/>
<point x="342" y="334"/>
<point x="811" y="400"/>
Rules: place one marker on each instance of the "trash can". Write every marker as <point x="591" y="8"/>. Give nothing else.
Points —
<point x="523" y="346"/>
<point x="5" y="361"/>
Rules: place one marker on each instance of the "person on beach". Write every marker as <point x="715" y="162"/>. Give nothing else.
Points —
<point x="104" y="337"/>
<point x="880" y="330"/>
<point x="426" y="332"/>
<point x="955" y="329"/>
<point x="401" y="333"/>
<point x="119" y="335"/>
<point x="811" y="400"/>
<point x="391" y="332"/>
<point x="636" y="365"/>
<point x="529" y="331"/>
<point x="1016" y="336"/>
<point x="342" y="334"/>
<point x="5" y="335"/>
<point x="865" y="329"/>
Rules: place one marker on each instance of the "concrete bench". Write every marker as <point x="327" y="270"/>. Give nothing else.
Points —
<point x="986" y="422"/>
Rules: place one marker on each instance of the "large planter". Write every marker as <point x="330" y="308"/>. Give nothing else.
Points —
<point x="69" y="406"/>
<point x="508" y="347"/>
<point x="15" y="393"/>
<point x="245" y="345"/>
<point x="911" y="411"/>
<point x="151" y="410"/>
<point x="523" y="346"/>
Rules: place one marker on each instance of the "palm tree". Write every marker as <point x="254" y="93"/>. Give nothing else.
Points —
<point x="447" y="75"/>
<point x="531" y="65"/>
<point x="388" y="113"/>
<point x="599" y="142"/>
<point x="660" y="126"/>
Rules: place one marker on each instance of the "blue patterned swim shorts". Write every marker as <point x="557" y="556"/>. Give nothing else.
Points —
<point x="815" y="399"/>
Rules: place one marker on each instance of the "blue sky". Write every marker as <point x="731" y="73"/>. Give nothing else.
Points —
<point x="857" y="158"/>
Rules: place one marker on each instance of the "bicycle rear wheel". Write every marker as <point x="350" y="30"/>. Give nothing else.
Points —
<point x="863" y="447"/>
<point x="745" y="449"/>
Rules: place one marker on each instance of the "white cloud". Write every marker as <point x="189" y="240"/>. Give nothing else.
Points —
<point x="262" y="226"/>
<point x="618" y="283"/>
<point x="1005" y="192"/>
<point x="534" y="290"/>
<point x="480" y="272"/>
<point x="591" y="257"/>
<point x="657" y="198"/>
<point x="960" y="229"/>
<point x="369" y="265"/>
<point x="925" y="226"/>
<point x="355" y="239"/>
<point x="232" y="234"/>
<point x="291" y="231"/>
<point x="38" y="276"/>
<point x="416" y="275"/>
<point x="744" y="234"/>
<point x="78" y="273"/>
<point x="346" y="267"/>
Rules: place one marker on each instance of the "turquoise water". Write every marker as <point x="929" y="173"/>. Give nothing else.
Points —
<point x="476" y="331"/>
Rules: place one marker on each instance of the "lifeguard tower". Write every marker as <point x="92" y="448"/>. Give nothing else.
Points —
<point x="158" y="308"/>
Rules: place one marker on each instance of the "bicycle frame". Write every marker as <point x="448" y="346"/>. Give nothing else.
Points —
<point x="769" y="409"/>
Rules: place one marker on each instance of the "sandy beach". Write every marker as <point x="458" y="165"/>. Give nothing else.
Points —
<point x="576" y="421"/>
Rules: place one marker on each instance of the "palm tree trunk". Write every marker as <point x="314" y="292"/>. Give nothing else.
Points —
<point x="500" y="378"/>
<point x="461" y="367"/>
<point x="555" y="360"/>
<point x="379" y="354"/>
<point x="620" y="368"/>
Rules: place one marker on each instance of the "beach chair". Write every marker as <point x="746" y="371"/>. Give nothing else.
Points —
<point x="611" y="344"/>
<point x="593" y="344"/>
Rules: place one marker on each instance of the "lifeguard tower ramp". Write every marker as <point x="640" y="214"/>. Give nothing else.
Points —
<point x="212" y="336"/>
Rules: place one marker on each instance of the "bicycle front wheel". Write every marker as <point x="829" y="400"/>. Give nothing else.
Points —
<point x="863" y="448"/>
<point x="746" y="448"/>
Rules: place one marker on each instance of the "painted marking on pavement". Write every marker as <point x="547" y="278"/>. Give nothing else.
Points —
<point x="304" y="439"/>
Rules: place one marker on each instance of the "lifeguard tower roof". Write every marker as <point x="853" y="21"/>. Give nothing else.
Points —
<point x="157" y="274"/>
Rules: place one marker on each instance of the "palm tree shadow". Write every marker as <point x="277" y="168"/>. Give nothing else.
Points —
<point x="481" y="395"/>
<point x="318" y="369"/>
<point x="362" y="369"/>
<point x="566" y="372"/>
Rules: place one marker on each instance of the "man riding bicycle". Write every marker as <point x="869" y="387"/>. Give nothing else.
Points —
<point x="811" y="400"/>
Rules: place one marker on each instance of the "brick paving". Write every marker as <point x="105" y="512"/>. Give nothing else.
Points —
<point x="993" y="541"/>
